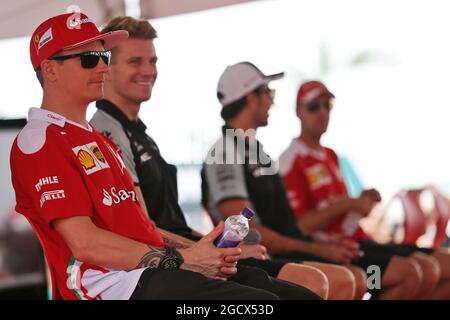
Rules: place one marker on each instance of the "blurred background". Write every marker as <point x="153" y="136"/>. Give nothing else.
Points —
<point x="385" y="61"/>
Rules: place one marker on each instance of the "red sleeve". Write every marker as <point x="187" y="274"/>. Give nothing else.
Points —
<point x="48" y="182"/>
<point x="333" y="156"/>
<point x="297" y="189"/>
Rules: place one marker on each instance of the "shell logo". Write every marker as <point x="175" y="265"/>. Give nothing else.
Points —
<point x="97" y="153"/>
<point x="313" y="177"/>
<point x="86" y="159"/>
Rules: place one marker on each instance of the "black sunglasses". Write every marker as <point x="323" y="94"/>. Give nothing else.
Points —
<point x="314" y="106"/>
<point x="89" y="59"/>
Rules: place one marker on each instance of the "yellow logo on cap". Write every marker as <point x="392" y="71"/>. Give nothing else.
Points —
<point x="36" y="38"/>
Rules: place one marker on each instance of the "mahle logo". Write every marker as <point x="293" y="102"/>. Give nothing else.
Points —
<point x="231" y="150"/>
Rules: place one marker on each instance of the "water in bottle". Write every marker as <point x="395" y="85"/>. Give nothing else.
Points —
<point x="236" y="228"/>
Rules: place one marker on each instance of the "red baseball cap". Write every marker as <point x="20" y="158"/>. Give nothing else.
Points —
<point x="310" y="90"/>
<point x="68" y="31"/>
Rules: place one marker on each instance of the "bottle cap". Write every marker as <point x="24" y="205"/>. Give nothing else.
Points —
<point x="248" y="213"/>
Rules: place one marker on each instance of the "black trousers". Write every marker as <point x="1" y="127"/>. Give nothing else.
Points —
<point x="398" y="249"/>
<point x="247" y="284"/>
<point x="271" y="266"/>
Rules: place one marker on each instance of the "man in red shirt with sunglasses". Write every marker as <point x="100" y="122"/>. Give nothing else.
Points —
<point x="319" y="197"/>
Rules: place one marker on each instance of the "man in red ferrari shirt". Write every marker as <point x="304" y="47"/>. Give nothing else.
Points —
<point x="319" y="197"/>
<point x="72" y="186"/>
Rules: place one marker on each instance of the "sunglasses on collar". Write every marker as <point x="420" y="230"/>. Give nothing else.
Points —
<point x="89" y="59"/>
<point x="314" y="106"/>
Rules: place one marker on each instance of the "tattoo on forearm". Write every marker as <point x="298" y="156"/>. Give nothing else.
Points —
<point x="173" y="243"/>
<point x="152" y="258"/>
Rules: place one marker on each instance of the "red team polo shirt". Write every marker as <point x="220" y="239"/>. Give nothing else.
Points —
<point x="313" y="181"/>
<point x="61" y="169"/>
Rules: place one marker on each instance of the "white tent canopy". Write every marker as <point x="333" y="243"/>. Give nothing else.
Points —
<point x="20" y="18"/>
<point x="151" y="9"/>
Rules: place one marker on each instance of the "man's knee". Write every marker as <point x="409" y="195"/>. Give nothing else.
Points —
<point x="360" y="281"/>
<point x="341" y="280"/>
<point x="307" y="276"/>
<point x="430" y="267"/>
<point x="443" y="257"/>
<point x="406" y="272"/>
<point x="345" y="280"/>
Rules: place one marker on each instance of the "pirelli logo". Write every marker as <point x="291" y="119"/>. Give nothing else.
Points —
<point x="52" y="195"/>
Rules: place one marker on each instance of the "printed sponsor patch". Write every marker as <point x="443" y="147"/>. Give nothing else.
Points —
<point x="117" y="157"/>
<point x="51" y="195"/>
<point x="86" y="159"/>
<point x="46" y="181"/>
<point x="107" y="199"/>
<point x="45" y="38"/>
<point x="98" y="154"/>
<point x="76" y="22"/>
<point x="55" y="117"/>
<point x="114" y="196"/>
<point x="318" y="176"/>
<point x="90" y="157"/>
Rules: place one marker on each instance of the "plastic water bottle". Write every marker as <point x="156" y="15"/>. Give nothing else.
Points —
<point x="236" y="229"/>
